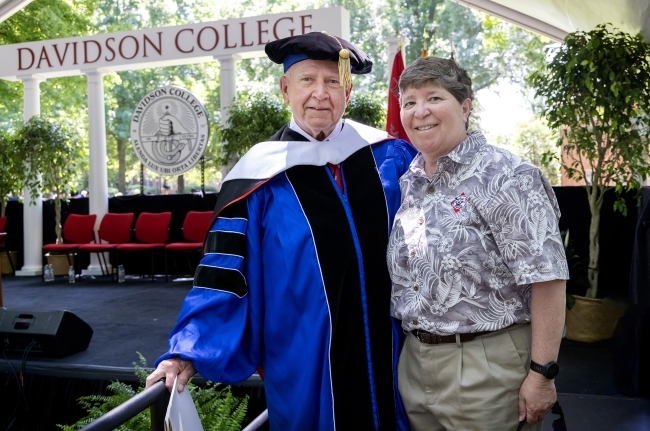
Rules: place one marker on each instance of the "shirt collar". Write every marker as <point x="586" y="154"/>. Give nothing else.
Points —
<point x="463" y="154"/>
<point x="465" y="151"/>
<point x="337" y="129"/>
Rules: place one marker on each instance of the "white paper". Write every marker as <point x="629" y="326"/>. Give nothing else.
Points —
<point x="181" y="412"/>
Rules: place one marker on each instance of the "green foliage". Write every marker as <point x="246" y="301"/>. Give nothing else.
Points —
<point x="596" y="91"/>
<point x="490" y="49"/>
<point x="253" y="118"/>
<point x="41" y="20"/>
<point x="367" y="108"/>
<point x="11" y="169"/>
<point x="52" y="150"/>
<point x="218" y="408"/>
<point x="535" y="142"/>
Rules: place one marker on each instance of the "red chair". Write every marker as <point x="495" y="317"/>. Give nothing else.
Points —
<point x="195" y="226"/>
<point x="115" y="229"/>
<point x="3" y="224"/>
<point x="152" y="230"/>
<point x="77" y="230"/>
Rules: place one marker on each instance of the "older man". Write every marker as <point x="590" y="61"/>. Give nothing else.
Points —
<point x="294" y="278"/>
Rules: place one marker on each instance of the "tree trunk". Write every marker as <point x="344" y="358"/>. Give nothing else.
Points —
<point x="57" y="218"/>
<point x="121" y="166"/>
<point x="595" y="204"/>
<point x="180" y="184"/>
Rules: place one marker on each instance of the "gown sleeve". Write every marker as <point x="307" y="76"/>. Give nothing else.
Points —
<point x="219" y="325"/>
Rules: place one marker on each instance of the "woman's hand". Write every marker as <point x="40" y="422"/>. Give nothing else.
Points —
<point x="536" y="397"/>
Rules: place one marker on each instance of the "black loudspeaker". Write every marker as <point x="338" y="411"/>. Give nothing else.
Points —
<point x="51" y="334"/>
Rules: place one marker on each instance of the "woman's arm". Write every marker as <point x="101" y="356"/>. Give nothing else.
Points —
<point x="547" y="311"/>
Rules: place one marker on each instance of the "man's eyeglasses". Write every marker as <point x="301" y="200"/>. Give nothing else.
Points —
<point x="558" y="424"/>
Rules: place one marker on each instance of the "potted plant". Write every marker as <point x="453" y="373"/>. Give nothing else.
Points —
<point x="52" y="152"/>
<point x="252" y="118"/>
<point x="596" y="90"/>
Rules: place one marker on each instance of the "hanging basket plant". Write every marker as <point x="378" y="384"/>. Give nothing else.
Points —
<point x="52" y="152"/>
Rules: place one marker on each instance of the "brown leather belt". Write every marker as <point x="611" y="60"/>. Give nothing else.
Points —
<point x="429" y="338"/>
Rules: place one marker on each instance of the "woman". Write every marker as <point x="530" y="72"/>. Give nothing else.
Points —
<point x="475" y="257"/>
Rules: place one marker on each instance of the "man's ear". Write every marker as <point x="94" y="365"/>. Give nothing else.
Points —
<point x="284" y="88"/>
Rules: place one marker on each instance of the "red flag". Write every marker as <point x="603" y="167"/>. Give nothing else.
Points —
<point x="393" y="122"/>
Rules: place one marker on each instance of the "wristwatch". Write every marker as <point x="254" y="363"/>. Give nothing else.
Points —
<point x="549" y="370"/>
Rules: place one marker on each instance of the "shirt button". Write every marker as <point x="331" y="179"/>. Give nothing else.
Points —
<point x="412" y="253"/>
<point x="431" y="189"/>
<point x="415" y="322"/>
<point x="421" y="220"/>
<point x="415" y="288"/>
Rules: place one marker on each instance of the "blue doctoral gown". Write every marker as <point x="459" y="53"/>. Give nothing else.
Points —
<point x="294" y="280"/>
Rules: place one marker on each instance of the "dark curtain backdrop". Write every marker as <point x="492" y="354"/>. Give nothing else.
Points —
<point x="617" y="232"/>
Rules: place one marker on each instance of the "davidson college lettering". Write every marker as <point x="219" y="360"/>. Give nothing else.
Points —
<point x="195" y="40"/>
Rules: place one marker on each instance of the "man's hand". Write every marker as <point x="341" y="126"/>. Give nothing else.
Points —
<point x="536" y="397"/>
<point x="169" y="369"/>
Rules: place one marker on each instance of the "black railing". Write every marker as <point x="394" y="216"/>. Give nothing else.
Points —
<point x="156" y="396"/>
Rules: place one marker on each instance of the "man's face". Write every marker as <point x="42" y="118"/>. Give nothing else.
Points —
<point x="313" y="91"/>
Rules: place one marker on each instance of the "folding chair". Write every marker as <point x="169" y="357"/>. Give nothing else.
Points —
<point x="77" y="230"/>
<point x="114" y="229"/>
<point x="152" y="230"/>
<point x="195" y="226"/>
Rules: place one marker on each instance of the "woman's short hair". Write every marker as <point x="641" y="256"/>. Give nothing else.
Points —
<point x="443" y="72"/>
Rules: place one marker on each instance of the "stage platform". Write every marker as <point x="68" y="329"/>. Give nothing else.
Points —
<point x="134" y="316"/>
<point x="137" y="316"/>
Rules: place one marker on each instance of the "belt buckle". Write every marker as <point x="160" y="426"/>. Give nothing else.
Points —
<point x="428" y="337"/>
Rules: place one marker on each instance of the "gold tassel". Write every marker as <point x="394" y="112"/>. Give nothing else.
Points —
<point x="344" y="69"/>
<point x="345" y="76"/>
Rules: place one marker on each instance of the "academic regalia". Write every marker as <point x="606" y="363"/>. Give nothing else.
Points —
<point x="294" y="279"/>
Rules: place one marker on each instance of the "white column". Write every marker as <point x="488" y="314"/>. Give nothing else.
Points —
<point x="393" y="44"/>
<point x="32" y="213"/>
<point x="228" y="78"/>
<point x="98" y="174"/>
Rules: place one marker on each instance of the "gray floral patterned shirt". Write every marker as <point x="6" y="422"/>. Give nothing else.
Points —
<point x="468" y="243"/>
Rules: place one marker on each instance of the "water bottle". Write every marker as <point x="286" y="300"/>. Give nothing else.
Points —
<point x="46" y="272"/>
<point x="71" y="274"/>
<point x="120" y="274"/>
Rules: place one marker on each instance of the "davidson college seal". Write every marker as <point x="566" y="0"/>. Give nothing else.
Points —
<point x="169" y="130"/>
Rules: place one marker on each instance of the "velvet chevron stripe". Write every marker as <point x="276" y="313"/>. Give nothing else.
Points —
<point x="354" y="345"/>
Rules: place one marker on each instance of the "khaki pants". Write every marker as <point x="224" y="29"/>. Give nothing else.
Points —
<point x="466" y="386"/>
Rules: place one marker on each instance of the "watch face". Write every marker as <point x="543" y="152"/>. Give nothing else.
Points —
<point x="552" y="370"/>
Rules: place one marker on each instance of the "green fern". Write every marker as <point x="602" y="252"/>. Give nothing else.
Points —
<point x="218" y="408"/>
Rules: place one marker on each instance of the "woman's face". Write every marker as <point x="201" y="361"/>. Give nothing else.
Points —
<point x="434" y="120"/>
